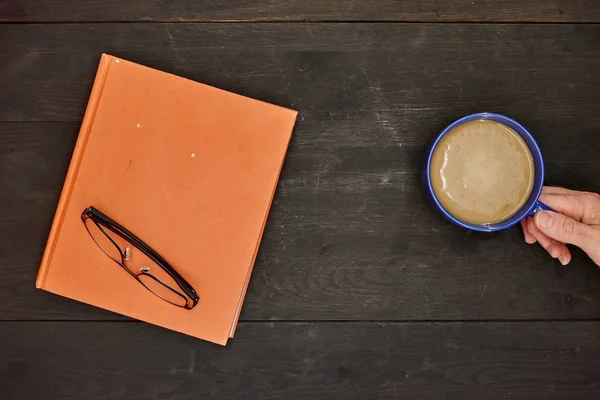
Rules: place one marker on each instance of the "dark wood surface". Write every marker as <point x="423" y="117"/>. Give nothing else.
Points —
<point x="360" y="290"/>
<point x="90" y="360"/>
<point x="310" y="10"/>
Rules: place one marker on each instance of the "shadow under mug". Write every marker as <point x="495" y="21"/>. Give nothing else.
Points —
<point x="532" y="205"/>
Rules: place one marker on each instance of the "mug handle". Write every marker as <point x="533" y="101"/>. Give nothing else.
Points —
<point x="539" y="206"/>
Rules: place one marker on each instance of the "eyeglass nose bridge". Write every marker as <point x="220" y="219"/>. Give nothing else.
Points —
<point x="105" y="224"/>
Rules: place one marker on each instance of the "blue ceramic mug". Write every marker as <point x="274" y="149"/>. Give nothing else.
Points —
<point x="532" y="205"/>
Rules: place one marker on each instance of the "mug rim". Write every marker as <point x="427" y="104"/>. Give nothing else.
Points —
<point x="535" y="193"/>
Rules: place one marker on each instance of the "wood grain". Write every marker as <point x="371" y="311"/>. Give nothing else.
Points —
<point x="404" y="70"/>
<point x="350" y="236"/>
<point x="299" y="361"/>
<point x="312" y="10"/>
<point x="351" y="247"/>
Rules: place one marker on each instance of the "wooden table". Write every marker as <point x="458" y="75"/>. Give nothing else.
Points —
<point x="360" y="290"/>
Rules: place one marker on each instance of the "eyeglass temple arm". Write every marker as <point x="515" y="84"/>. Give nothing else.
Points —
<point x="121" y="231"/>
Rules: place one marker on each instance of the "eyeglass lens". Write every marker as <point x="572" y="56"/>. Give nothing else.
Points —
<point x="146" y="270"/>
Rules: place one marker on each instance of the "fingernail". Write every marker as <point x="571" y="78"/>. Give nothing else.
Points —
<point x="543" y="219"/>
<point x="563" y="262"/>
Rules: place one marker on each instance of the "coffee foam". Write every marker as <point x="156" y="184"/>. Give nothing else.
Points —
<point x="482" y="172"/>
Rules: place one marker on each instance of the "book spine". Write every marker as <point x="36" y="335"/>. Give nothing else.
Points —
<point x="65" y="196"/>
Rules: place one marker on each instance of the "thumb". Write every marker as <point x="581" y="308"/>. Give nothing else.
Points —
<point x="567" y="230"/>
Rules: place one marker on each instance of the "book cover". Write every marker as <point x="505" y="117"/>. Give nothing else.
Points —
<point x="191" y="170"/>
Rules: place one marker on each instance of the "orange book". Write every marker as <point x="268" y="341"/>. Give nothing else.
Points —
<point x="189" y="169"/>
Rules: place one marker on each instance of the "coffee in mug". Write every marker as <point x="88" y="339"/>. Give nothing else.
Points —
<point x="482" y="172"/>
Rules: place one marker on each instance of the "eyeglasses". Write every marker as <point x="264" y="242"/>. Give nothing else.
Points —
<point x="145" y="265"/>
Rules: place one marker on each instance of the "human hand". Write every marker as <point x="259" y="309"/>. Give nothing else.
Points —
<point x="576" y="222"/>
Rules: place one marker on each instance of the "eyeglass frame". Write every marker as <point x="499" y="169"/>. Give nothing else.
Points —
<point x="103" y="222"/>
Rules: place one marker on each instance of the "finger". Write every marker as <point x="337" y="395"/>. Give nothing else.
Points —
<point x="556" y="190"/>
<point x="555" y="248"/>
<point x="528" y="236"/>
<point x="565" y="256"/>
<point x="542" y="239"/>
<point x="581" y="206"/>
<point x="567" y="230"/>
